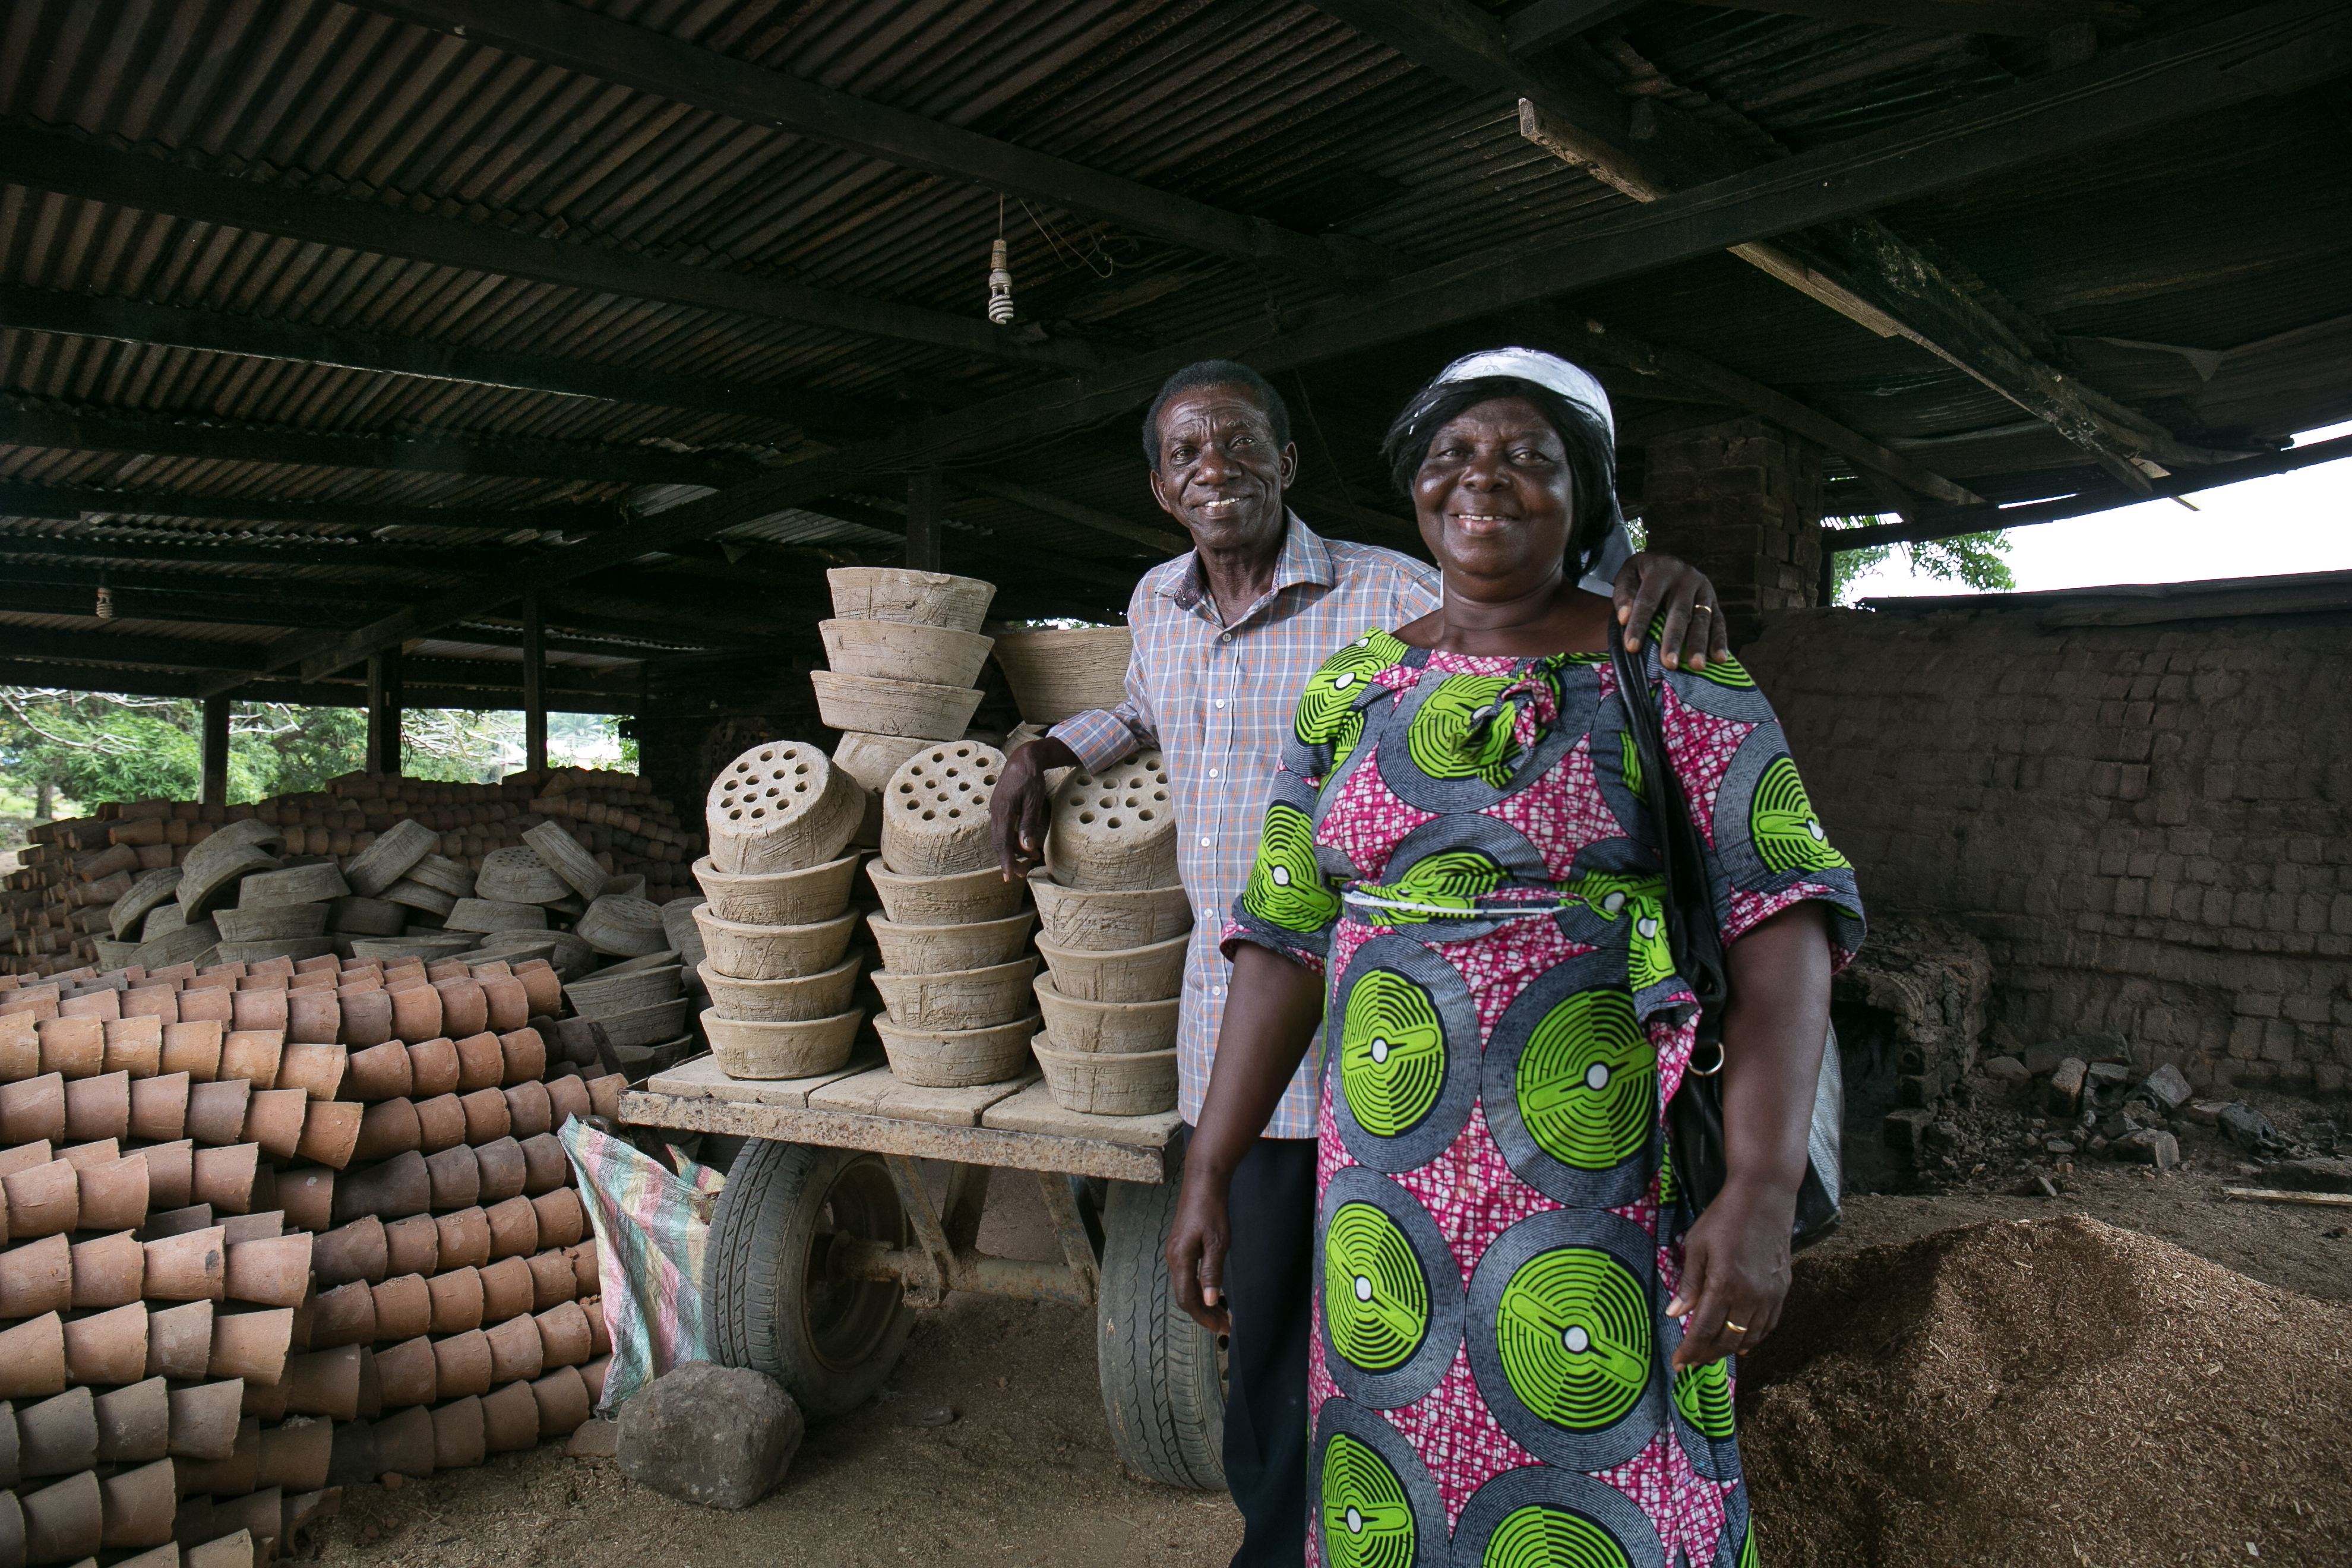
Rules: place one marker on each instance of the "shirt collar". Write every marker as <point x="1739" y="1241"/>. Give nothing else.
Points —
<point x="1305" y="558"/>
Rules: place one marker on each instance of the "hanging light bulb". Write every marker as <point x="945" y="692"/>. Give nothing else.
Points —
<point x="105" y="603"/>
<point x="1000" y="285"/>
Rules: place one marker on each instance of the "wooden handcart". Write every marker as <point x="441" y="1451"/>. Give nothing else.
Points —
<point x="826" y="1239"/>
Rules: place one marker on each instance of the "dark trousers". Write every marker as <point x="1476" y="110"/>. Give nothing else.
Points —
<point x="1269" y="1288"/>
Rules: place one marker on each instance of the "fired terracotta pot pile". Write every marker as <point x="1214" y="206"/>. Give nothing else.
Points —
<point x="277" y="1227"/>
<point x="374" y="864"/>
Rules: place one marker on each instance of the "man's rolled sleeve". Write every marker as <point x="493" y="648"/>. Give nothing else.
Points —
<point x="1101" y="736"/>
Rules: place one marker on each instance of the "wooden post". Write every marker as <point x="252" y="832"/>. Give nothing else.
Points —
<point x="215" y="752"/>
<point x="534" y="685"/>
<point x="384" y="712"/>
<point x="923" y="521"/>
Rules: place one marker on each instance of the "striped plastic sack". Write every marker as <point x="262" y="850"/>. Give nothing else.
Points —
<point x="651" y="1228"/>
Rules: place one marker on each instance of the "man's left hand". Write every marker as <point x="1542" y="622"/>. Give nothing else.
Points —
<point x="1694" y="631"/>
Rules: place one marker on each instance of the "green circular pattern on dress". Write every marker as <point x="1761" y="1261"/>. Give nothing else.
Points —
<point x="1703" y="1394"/>
<point x="1649" y="953"/>
<point x="1450" y="880"/>
<point x="1587" y="1081"/>
<point x="1782" y="824"/>
<point x="1286" y="886"/>
<point x="1572" y="1332"/>
<point x="1440" y="740"/>
<point x="1367" y="1519"/>
<point x="1540" y="1537"/>
<point x="1327" y="714"/>
<point x="1374" y="1296"/>
<point x="1391" y="1054"/>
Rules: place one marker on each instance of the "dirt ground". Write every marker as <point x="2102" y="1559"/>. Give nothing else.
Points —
<point x="1025" y="1477"/>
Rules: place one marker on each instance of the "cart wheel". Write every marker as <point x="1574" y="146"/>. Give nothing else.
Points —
<point x="768" y="1301"/>
<point x="1163" y="1385"/>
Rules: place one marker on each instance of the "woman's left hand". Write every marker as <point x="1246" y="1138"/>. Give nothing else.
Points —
<point x="1734" y="1272"/>
<point x="1693" y="637"/>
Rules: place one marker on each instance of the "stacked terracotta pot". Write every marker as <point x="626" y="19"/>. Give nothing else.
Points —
<point x="259" y="1245"/>
<point x="952" y="934"/>
<point x="776" y="927"/>
<point x="1116" y="929"/>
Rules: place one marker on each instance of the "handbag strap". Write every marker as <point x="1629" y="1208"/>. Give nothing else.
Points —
<point x="1691" y="935"/>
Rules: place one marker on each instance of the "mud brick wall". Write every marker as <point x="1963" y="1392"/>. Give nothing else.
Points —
<point x="1743" y="498"/>
<point x="2149" y="826"/>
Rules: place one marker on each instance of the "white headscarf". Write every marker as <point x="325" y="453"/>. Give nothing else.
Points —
<point x="1545" y="370"/>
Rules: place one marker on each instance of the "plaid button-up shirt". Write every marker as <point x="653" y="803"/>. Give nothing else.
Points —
<point x="1216" y="700"/>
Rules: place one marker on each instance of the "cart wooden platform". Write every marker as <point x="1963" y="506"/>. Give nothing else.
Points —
<point x="826" y="1239"/>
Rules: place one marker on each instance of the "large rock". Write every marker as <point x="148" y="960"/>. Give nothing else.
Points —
<point x="718" y="1436"/>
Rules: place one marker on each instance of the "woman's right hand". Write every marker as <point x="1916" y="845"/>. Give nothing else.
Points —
<point x="1196" y="1249"/>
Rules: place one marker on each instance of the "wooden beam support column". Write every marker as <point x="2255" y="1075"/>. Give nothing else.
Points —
<point x="534" y="684"/>
<point x="215" y="743"/>
<point x="383" y="711"/>
<point x="923" y="521"/>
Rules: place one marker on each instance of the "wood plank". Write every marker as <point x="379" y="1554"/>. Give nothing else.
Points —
<point x="2010" y="18"/>
<point x="702" y="1078"/>
<point x="1118" y="1161"/>
<point x="1034" y="1110"/>
<point x="879" y="1092"/>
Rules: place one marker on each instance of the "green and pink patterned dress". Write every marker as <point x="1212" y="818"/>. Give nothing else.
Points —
<point x="1461" y="845"/>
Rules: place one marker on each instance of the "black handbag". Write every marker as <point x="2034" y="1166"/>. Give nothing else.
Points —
<point x="1695" y="1138"/>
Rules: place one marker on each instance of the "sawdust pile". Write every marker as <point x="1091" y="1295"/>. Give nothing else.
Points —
<point x="2048" y="1392"/>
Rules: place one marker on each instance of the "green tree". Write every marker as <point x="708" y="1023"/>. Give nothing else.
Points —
<point x="1974" y="560"/>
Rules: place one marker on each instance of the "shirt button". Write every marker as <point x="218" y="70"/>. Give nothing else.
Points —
<point x="1206" y="842"/>
<point x="1221" y="702"/>
<point x="1212" y="773"/>
<point x="1216" y="990"/>
<point x="1227" y="636"/>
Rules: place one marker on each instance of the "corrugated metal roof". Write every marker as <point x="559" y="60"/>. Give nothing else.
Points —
<point x="1272" y="108"/>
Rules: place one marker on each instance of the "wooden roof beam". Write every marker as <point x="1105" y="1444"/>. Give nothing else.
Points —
<point x="1583" y="122"/>
<point x="259" y="552"/>
<point x="72" y="503"/>
<point x="259" y="337"/>
<point x="609" y="50"/>
<point x="2276" y="48"/>
<point x="42" y="161"/>
<point x="2014" y="18"/>
<point x="66" y="430"/>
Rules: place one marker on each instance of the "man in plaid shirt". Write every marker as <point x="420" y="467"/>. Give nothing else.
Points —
<point x="1224" y="639"/>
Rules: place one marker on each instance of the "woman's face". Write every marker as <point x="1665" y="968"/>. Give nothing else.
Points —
<point x="1494" y="499"/>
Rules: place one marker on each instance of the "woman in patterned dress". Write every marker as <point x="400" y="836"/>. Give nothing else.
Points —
<point x="1522" y="1357"/>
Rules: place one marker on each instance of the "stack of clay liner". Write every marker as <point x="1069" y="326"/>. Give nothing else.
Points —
<point x="1115" y="934"/>
<point x="277" y="1227"/>
<point x="777" y="926"/>
<point x="905" y="649"/>
<point x="955" y="972"/>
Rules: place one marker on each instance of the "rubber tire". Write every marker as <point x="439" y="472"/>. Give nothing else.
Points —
<point x="1162" y="1392"/>
<point x="755" y="1288"/>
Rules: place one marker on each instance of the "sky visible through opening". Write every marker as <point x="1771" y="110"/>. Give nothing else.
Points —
<point x="2293" y="522"/>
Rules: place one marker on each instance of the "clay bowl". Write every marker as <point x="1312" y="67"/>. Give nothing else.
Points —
<point x="797" y="1000"/>
<point x="899" y="651"/>
<point x="563" y="1400"/>
<point x="910" y="597"/>
<point x="778" y="897"/>
<point x="742" y="951"/>
<point x="1100" y="918"/>
<point x="914" y="709"/>
<point x="967" y="898"/>
<point x="780" y="1050"/>
<point x="647" y="1025"/>
<point x="600" y="996"/>
<point x="1115" y="829"/>
<point x="1055" y="674"/>
<point x="937" y="950"/>
<point x="872" y="759"/>
<point x="1115" y="1027"/>
<point x="957" y="1059"/>
<point x="1149" y="974"/>
<point x="959" y="1000"/>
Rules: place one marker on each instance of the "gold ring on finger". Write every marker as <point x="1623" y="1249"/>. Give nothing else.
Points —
<point x="1702" y="609"/>
<point x="1735" y="1328"/>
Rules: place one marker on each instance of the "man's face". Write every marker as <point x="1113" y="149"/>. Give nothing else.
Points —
<point x="1220" y="474"/>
